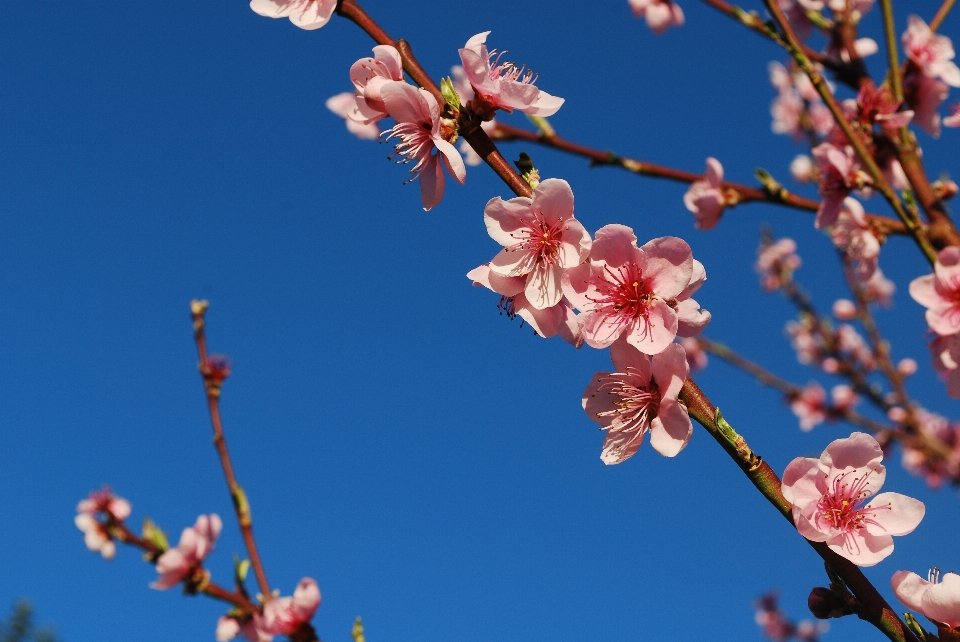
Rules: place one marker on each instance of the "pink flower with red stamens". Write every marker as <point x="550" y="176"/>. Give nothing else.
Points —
<point x="179" y="563"/>
<point x="839" y="175"/>
<point x="306" y="14"/>
<point x="940" y="292"/>
<point x="632" y="292"/>
<point x="540" y="239"/>
<point x="345" y="104"/>
<point x="705" y="197"/>
<point x="933" y="54"/>
<point x="503" y="85"/>
<point x="421" y="131"/>
<point x="286" y="615"/>
<point x="547" y="322"/>
<point x="368" y="76"/>
<point x="640" y="397"/>
<point x="834" y="500"/>
<point x="660" y="14"/>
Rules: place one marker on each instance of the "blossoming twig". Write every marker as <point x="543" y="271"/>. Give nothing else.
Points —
<point x="745" y="193"/>
<point x="792" y="44"/>
<point x="212" y="379"/>
<point x="790" y="390"/>
<point x="875" y="608"/>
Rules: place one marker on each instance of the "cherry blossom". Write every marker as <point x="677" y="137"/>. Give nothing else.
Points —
<point x="286" y="615"/>
<point x="834" y="500"/>
<point x="196" y="542"/>
<point x="640" y="397"/>
<point x="660" y="14"/>
<point x="306" y="14"/>
<point x="937" y="597"/>
<point x="773" y="260"/>
<point x="96" y="535"/>
<point x="345" y="104"/>
<point x="802" y="169"/>
<point x="421" y="131"/>
<point x="252" y="629"/>
<point x="940" y="292"/>
<point x="368" y="76"/>
<point x="633" y="292"/>
<point x="540" y="239"/>
<point x="852" y="234"/>
<point x="925" y="95"/>
<point x="548" y="322"/>
<point x="503" y="85"/>
<point x="932" y="53"/>
<point x="809" y="406"/>
<point x="876" y="105"/>
<point x="705" y="198"/>
<point x="839" y="175"/>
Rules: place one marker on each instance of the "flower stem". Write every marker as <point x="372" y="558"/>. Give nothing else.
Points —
<point x="240" y="504"/>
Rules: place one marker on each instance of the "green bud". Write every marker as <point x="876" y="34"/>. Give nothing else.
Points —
<point x="543" y="126"/>
<point x="914" y="626"/>
<point x="358" y="631"/>
<point x="449" y="93"/>
<point x="153" y="534"/>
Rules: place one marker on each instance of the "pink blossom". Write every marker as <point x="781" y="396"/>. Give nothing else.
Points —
<point x="96" y="535"/>
<point x="839" y="175"/>
<point x="104" y="501"/>
<point x="844" y="398"/>
<point x="831" y="498"/>
<point x="953" y="120"/>
<point x="775" y="259"/>
<point x="935" y="469"/>
<point x="940" y="292"/>
<point x="880" y="289"/>
<point x="907" y="367"/>
<point x="946" y="361"/>
<point x="705" y="197"/>
<point x="802" y="169"/>
<point x="540" y="239"/>
<point x="852" y="234"/>
<point x="286" y="615"/>
<point x="343" y="105"/>
<point x="933" y="54"/>
<point x="925" y="95"/>
<point x="633" y="292"/>
<point x="809" y="406"/>
<point x="852" y="343"/>
<point x="306" y="14"/>
<point x="876" y="105"/>
<point x="697" y="357"/>
<point x="937" y="597"/>
<point x="556" y="320"/>
<point x="640" y="396"/>
<point x="368" y="76"/>
<point x="660" y="14"/>
<point x="228" y="628"/>
<point x="503" y="85"/>
<point x="195" y="544"/>
<point x="844" y="309"/>
<point x="421" y="131"/>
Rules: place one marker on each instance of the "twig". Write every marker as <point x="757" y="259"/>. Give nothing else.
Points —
<point x="212" y="388"/>
<point x="745" y="194"/>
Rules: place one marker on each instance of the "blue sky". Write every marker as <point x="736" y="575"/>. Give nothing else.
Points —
<point x="424" y="459"/>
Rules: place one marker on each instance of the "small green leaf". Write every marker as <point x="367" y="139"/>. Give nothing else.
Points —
<point x="449" y="93"/>
<point x="544" y="128"/>
<point x="153" y="534"/>
<point x="914" y="626"/>
<point x="358" y="631"/>
<point x="241" y="568"/>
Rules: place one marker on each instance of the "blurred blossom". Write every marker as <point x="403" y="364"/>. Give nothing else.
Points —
<point x="945" y="352"/>
<point x="940" y="292"/>
<point x="802" y="169"/>
<point x="931" y="53"/>
<point x="196" y="543"/>
<point x="940" y="466"/>
<point x="660" y="14"/>
<point x="907" y="367"/>
<point x="809" y="406"/>
<point x="705" y="198"/>
<point x="774" y="261"/>
<point x="697" y="357"/>
<point x="880" y="289"/>
<point x="306" y="14"/>
<point x="287" y="615"/>
<point x="844" y="398"/>
<point x="344" y="104"/>
<point x="844" y="309"/>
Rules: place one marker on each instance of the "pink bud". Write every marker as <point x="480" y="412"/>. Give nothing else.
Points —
<point x="907" y="367"/>
<point x="897" y="414"/>
<point x="830" y="365"/>
<point x="845" y="310"/>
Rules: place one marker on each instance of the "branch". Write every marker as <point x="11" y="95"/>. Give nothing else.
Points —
<point x="875" y="609"/>
<point x="880" y="182"/>
<point x="211" y="385"/>
<point x="746" y="194"/>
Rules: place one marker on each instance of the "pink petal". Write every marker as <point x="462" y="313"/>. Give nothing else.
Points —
<point x="619" y="446"/>
<point x="625" y="357"/>
<point x="503" y="285"/>
<point x="669" y="266"/>
<point x="596" y="401"/>
<point x="924" y="292"/>
<point x="901" y="518"/>
<point x="803" y="482"/>
<point x="714" y="173"/>
<point x="575" y="246"/>
<point x="543" y="285"/>
<point x="615" y="245"/>
<point x="575" y="286"/>
<point x="671" y="429"/>
<point x="511" y="262"/>
<point x="505" y="218"/>
<point x="569" y="329"/>
<point x="545" y="322"/>
<point x="829" y="210"/>
<point x="859" y="450"/>
<point x="599" y="331"/>
<point x="431" y="182"/>
<point x="909" y="588"/>
<point x="545" y="105"/>
<point x="691" y="321"/>
<point x="516" y="95"/>
<point x="660" y="333"/>
<point x="941" y="602"/>
<point x="475" y="68"/>
<point x="404" y="103"/>
<point x="306" y="599"/>
<point x="553" y="199"/>
<point x="452" y="160"/>
<point x="670" y="370"/>
<point x="862" y="548"/>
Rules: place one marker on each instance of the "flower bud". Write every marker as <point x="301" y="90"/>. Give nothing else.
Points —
<point x="845" y="310"/>
<point x="824" y="603"/>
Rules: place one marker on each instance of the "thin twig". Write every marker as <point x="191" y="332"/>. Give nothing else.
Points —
<point x="212" y="389"/>
<point x="890" y="34"/>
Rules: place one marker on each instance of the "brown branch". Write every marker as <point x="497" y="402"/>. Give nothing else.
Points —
<point x="745" y="194"/>
<point x="212" y="388"/>
<point x="941" y="14"/>
<point x="790" y="390"/>
<point x="880" y="182"/>
<point x="874" y="608"/>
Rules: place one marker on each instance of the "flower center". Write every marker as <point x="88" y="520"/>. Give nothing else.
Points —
<point x="508" y="71"/>
<point x="844" y="506"/>
<point x="541" y="238"/>
<point x="639" y="400"/>
<point x="623" y="294"/>
<point x="415" y="143"/>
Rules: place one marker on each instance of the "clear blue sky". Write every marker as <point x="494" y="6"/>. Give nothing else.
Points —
<point x="424" y="459"/>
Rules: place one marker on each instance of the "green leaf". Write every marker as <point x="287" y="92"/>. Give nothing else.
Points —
<point x="449" y="93"/>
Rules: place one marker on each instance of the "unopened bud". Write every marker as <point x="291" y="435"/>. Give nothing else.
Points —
<point x="803" y="169"/>
<point x="845" y="310"/>
<point x="897" y="414"/>
<point x="830" y="365"/>
<point x="945" y="189"/>
<point x="824" y="603"/>
<point x="907" y="367"/>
